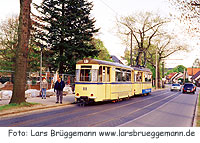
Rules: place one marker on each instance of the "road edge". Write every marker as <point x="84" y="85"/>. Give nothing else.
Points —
<point x="32" y="109"/>
<point x="194" y="120"/>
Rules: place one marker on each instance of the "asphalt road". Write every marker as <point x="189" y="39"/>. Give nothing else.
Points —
<point x="162" y="108"/>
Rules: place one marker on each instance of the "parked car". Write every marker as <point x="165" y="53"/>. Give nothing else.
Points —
<point x="176" y="86"/>
<point x="189" y="88"/>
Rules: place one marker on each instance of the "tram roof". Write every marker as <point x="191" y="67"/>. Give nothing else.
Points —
<point x="101" y="62"/>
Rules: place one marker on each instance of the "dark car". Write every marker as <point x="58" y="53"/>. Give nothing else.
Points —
<point x="189" y="88"/>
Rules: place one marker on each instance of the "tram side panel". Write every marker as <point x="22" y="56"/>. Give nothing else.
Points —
<point x="146" y="87"/>
<point x="100" y="92"/>
<point x="121" y="90"/>
<point x="138" y="88"/>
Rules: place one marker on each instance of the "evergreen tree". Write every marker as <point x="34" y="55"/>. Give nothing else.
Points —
<point x="67" y="30"/>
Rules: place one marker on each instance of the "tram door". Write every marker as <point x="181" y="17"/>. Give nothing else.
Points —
<point x="107" y="81"/>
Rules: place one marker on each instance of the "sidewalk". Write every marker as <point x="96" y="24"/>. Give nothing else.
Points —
<point x="48" y="103"/>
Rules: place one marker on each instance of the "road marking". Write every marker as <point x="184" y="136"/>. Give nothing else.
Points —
<point x="147" y="113"/>
<point x="77" y="110"/>
<point x="91" y="114"/>
<point x="133" y="111"/>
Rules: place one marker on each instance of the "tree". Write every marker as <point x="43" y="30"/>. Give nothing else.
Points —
<point x="143" y="27"/>
<point x="67" y="31"/>
<point x="190" y="13"/>
<point x="18" y="95"/>
<point x="8" y="46"/>
<point x="196" y="63"/>
<point x="179" y="68"/>
<point x="8" y="43"/>
<point x="103" y="52"/>
<point x="166" y="45"/>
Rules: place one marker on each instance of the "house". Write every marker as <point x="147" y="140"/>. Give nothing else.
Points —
<point x="170" y="76"/>
<point x="177" y="77"/>
<point x="196" y="78"/>
<point x="115" y="59"/>
<point x="191" y="72"/>
<point x="174" y="77"/>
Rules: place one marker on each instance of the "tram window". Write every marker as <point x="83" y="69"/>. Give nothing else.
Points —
<point x="104" y="74"/>
<point x="124" y="75"/>
<point x="148" y="77"/>
<point x="77" y="75"/>
<point x="118" y="75"/>
<point x="139" y="77"/>
<point x="108" y="74"/>
<point x="94" y="74"/>
<point x="100" y="74"/>
<point x="86" y="67"/>
<point x="128" y="76"/>
<point x="85" y="75"/>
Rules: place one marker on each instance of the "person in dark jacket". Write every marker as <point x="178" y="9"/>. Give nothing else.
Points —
<point x="59" y="86"/>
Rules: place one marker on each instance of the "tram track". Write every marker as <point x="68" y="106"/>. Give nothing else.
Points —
<point x="126" y="115"/>
<point x="75" y="110"/>
<point x="80" y="118"/>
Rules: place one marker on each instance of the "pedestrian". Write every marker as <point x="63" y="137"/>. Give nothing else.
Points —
<point x="59" y="86"/>
<point x="44" y="86"/>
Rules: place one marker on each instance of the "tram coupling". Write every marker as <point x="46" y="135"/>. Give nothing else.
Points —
<point x="84" y="100"/>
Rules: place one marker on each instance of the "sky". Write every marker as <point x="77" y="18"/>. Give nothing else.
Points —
<point x="105" y="13"/>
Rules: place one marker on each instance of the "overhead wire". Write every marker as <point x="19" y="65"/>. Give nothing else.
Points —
<point x="109" y="7"/>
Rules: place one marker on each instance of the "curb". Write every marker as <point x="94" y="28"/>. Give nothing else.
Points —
<point x="194" y="121"/>
<point x="42" y="107"/>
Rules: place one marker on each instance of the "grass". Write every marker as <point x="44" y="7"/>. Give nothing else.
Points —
<point x="13" y="105"/>
<point x="198" y="114"/>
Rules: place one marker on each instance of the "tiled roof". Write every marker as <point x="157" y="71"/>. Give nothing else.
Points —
<point x="171" y="75"/>
<point x="192" y="71"/>
<point x="196" y="75"/>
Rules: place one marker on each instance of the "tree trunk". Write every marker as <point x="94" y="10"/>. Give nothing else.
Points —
<point x="139" y="59"/>
<point x="61" y="64"/>
<point x="61" y="47"/>
<point x="18" y="95"/>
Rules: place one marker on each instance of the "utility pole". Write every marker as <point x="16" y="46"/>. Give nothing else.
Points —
<point x="163" y="72"/>
<point x="131" y="55"/>
<point x="184" y="76"/>
<point x="192" y="74"/>
<point x="156" y="80"/>
<point x="41" y="67"/>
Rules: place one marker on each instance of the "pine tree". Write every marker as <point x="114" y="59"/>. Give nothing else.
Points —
<point x="67" y="30"/>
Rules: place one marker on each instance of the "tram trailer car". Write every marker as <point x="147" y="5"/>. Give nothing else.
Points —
<point x="98" y="80"/>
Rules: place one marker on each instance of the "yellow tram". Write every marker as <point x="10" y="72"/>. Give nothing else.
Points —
<point x="98" y="80"/>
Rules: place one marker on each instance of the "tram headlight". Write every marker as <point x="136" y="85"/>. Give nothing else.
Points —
<point x="77" y="94"/>
<point x="92" y="94"/>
